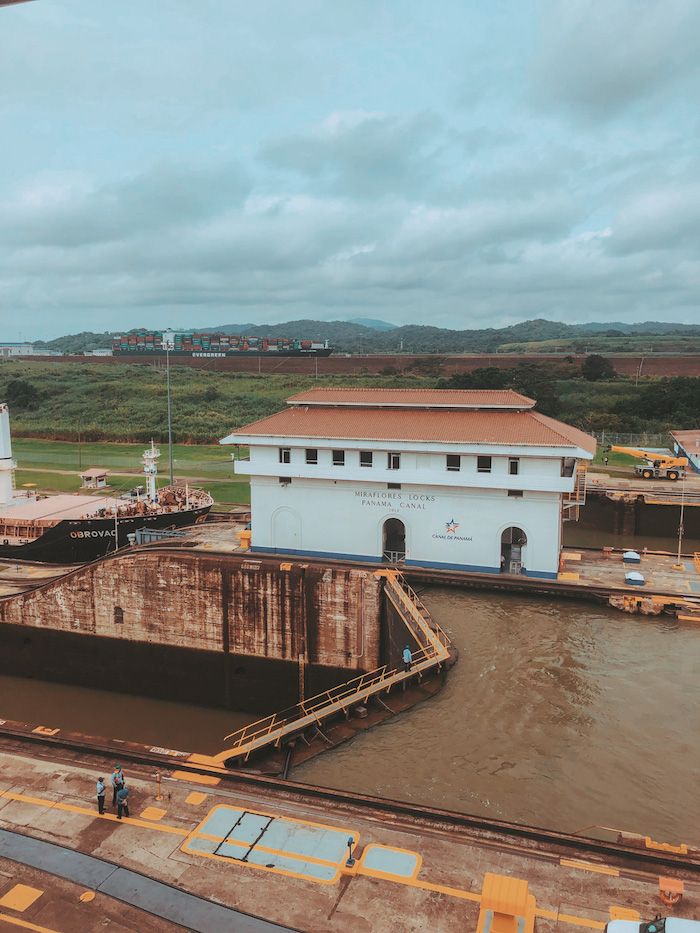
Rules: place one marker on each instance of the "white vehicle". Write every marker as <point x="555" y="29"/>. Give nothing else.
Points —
<point x="659" y="925"/>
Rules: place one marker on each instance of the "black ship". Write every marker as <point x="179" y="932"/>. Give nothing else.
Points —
<point x="189" y="343"/>
<point x="77" y="529"/>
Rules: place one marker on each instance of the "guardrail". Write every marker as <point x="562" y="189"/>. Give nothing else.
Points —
<point x="272" y="730"/>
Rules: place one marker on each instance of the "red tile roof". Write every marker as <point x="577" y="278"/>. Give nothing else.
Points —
<point x="413" y="398"/>
<point x="441" y="426"/>
<point x="687" y="438"/>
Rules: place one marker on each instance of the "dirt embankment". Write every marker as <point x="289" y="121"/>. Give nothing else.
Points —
<point x="340" y="364"/>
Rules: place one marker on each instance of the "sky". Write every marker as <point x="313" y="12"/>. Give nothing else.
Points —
<point x="188" y="163"/>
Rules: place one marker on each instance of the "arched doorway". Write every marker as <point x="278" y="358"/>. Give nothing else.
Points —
<point x="286" y="530"/>
<point x="513" y="548"/>
<point x="393" y="541"/>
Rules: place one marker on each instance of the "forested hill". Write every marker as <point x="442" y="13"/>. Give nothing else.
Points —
<point x="350" y="337"/>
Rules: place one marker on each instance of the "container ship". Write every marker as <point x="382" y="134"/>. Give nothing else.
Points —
<point x="189" y="343"/>
<point x="71" y="529"/>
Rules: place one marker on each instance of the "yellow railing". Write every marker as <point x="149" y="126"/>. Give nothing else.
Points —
<point x="433" y="651"/>
<point x="696" y="560"/>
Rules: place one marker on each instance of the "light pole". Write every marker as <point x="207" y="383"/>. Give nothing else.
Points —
<point x="168" y="341"/>
<point x="679" y="565"/>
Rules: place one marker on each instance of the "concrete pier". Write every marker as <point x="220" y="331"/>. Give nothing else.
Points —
<point x="280" y="853"/>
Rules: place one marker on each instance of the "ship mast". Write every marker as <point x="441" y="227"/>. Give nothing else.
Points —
<point x="150" y="469"/>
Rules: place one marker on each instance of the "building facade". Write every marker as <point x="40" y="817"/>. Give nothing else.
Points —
<point x="468" y="480"/>
<point x="687" y="444"/>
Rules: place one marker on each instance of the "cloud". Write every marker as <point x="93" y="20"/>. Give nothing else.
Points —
<point x="599" y="57"/>
<point x="363" y="155"/>
<point x="63" y="211"/>
<point x="663" y="218"/>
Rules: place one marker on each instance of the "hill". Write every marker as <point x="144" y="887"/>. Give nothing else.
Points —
<point x="366" y="336"/>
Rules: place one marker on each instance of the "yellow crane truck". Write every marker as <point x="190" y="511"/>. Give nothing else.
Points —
<point x="657" y="465"/>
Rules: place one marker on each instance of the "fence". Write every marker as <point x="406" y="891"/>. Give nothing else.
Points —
<point x="633" y="440"/>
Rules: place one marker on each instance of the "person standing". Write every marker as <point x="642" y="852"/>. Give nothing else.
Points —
<point x="101" y="795"/>
<point x="122" y="801"/>
<point x="117" y="783"/>
<point x="407" y="658"/>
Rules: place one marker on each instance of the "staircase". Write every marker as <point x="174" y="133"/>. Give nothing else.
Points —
<point x="274" y="730"/>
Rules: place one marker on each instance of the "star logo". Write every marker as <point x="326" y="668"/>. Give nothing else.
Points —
<point x="451" y="527"/>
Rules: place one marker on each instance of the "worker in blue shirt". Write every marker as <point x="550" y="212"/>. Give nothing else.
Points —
<point x="101" y="795"/>
<point x="407" y="658"/>
<point x="122" y="802"/>
<point x="117" y="783"/>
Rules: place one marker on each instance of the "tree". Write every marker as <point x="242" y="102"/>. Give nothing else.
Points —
<point x="20" y="394"/>
<point x="597" y="367"/>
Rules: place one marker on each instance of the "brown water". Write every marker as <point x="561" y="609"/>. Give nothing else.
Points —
<point x="177" y="726"/>
<point x="558" y="714"/>
<point x="577" y="536"/>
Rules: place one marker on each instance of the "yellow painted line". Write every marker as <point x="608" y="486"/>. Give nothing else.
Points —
<point x="588" y="866"/>
<point x="441" y="889"/>
<point x="567" y="576"/>
<point x="547" y="914"/>
<point x="624" y="913"/>
<point x="153" y="813"/>
<point x="207" y="779"/>
<point x="196" y="797"/>
<point x="276" y="871"/>
<point x="582" y="922"/>
<point x="20" y="897"/>
<point x="85" y="811"/>
<point x="389" y="875"/>
<point x="26" y="925"/>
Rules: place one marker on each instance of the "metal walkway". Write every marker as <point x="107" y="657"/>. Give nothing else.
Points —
<point x="274" y="730"/>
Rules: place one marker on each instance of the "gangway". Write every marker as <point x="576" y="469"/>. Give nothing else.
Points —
<point x="433" y="652"/>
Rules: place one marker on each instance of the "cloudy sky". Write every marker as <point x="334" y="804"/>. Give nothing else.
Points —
<point x="452" y="162"/>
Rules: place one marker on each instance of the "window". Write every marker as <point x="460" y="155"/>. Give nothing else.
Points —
<point x="393" y="461"/>
<point x="513" y="465"/>
<point x="118" y="615"/>
<point x="483" y="464"/>
<point x="285" y="455"/>
<point x="366" y="458"/>
<point x="567" y="466"/>
<point x="338" y="458"/>
<point x="393" y="485"/>
<point x="453" y="462"/>
<point x="311" y="455"/>
<point x="516" y="493"/>
<point x="285" y="480"/>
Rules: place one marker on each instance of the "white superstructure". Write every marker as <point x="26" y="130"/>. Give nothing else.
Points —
<point x="150" y="469"/>
<point x="470" y="480"/>
<point x="7" y="464"/>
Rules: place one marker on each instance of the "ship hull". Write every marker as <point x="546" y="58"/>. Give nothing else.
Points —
<point x="136" y="351"/>
<point x="78" y="541"/>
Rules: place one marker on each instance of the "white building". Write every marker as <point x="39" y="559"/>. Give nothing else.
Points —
<point x="16" y="349"/>
<point x="687" y="444"/>
<point x="468" y="480"/>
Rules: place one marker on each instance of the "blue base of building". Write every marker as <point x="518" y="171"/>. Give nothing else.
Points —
<point x="436" y="565"/>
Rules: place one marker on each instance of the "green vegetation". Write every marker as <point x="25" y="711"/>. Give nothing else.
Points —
<point x="538" y="336"/>
<point x="75" y="408"/>
<point x="607" y="345"/>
